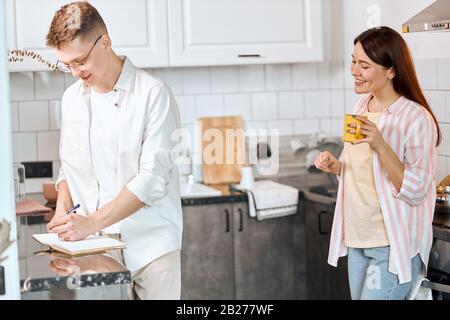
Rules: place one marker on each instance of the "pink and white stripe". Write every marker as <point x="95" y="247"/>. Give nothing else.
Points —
<point x="408" y="215"/>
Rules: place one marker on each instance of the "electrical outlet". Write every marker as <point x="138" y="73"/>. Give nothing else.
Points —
<point x="38" y="169"/>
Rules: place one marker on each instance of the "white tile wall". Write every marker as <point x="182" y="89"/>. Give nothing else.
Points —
<point x="238" y="104"/>
<point x="48" y="145"/>
<point x="172" y="76"/>
<point x="448" y="165"/>
<point x="427" y="73"/>
<point x="251" y="78"/>
<point x="264" y="106"/>
<point x="294" y="98"/>
<point x="291" y="105"/>
<point x="34" y="116"/>
<point x="443" y="74"/>
<point x="24" y="146"/>
<point x="21" y="86"/>
<point x="305" y="76"/>
<point x="350" y="99"/>
<point x="437" y="100"/>
<point x="445" y="146"/>
<point x="441" y="168"/>
<point x="49" y="85"/>
<point x="337" y="77"/>
<point x="186" y="105"/>
<point x="337" y="103"/>
<point x="317" y="104"/>
<point x="336" y="127"/>
<point x="55" y="114"/>
<point x="195" y="80"/>
<point x="306" y="126"/>
<point x="447" y="109"/>
<point x="224" y="79"/>
<point x="209" y="105"/>
<point x="256" y="125"/>
<point x="278" y="77"/>
<point x="284" y="127"/>
<point x="14" y="116"/>
<point x="325" y="125"/>
<point x="324" y="75"/>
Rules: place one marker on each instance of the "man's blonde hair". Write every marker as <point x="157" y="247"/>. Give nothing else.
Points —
<point x="76" y="19"/>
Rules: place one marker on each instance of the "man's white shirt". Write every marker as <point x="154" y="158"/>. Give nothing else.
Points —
<point x="104" y="138"/>
<point x="124" y="139"/>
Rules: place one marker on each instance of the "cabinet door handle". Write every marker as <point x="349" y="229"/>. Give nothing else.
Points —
<point x="227" y="217"/>
<point x="249" y="56"/>
<point x="241" y="220"/>
<point x="320" y="223"/>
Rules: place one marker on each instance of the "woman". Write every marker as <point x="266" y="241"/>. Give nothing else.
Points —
<point x="386" y="196"/>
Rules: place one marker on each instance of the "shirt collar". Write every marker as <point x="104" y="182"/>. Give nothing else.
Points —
<point x="394" y="108"/>
<point x="126" y="77"/>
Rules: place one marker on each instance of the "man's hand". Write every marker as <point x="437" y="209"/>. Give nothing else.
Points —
<point x="59" y="212"/>
<point x="72" y="227"/>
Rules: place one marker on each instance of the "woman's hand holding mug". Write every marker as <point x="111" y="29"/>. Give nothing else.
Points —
<point x="326" y="162"/>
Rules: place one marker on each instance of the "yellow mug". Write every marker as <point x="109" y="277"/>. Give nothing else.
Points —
<point x="352" y="137"/>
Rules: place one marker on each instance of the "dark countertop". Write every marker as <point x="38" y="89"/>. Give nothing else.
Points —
<point x="229" y="195"/>
<point x="440" y="230"/>
<point x="42" y="269"/>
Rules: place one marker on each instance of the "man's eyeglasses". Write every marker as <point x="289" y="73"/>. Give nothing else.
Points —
<point x="67" y="68"/>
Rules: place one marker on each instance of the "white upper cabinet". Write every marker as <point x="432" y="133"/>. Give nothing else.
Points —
<point x="197" y="32"/>
<point x="138" y="29"/>
<point x="225" y="32"/>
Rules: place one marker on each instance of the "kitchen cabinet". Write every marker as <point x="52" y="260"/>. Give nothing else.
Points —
<point x="217" y="32"/>
<point x="323" y="281"/>
<point x="228" y="255"/>
<point x="299" y="256"/>
<point x="184" y="32"/>
<point x="263" y="256"/>
<point x="144" y="40"/>
<point x="207" y="270"/>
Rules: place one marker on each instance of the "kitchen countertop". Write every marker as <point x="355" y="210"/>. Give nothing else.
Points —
<point x="41" y="269"/>
<point x="229" y="195"/>
<point x="440" y="231"/>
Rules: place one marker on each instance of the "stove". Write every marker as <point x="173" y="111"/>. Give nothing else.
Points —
<point x="439" y="263"/>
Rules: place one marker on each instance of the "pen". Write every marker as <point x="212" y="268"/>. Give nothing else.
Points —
<point x="73" y="209"/>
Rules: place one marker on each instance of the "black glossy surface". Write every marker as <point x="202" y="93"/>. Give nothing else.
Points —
<point x="41" y="269"/>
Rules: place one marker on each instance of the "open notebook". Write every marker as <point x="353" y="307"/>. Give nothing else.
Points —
<point x="91" y="244"/>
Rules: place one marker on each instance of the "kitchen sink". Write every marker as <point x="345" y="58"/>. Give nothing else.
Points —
<point x="197" y="190"/>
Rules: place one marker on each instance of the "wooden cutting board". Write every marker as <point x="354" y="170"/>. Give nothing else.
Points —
<point x="223" y="149"/>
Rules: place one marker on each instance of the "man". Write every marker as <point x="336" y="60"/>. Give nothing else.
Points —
<point x="115" y="151"/>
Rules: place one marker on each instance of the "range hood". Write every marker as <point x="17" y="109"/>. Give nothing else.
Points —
<point x="435" y="17"/>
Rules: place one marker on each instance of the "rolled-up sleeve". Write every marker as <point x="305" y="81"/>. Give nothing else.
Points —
<point x="156" y="160"/>
<point x="61" y="177"/>
<point x="418" y="160"/>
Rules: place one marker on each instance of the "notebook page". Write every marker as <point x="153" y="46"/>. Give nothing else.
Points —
<point x="46" y="238"/>
<point x="88" y="245"/>
<point x="50" y="239"/>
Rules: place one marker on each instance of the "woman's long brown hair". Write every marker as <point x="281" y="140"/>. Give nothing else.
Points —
<point x="387" y="48"/>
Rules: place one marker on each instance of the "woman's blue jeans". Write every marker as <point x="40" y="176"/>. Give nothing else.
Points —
<point x="369" y="276"/>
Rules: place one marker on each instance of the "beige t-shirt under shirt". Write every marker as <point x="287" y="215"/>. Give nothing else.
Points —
<point x="363" y="221"/>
